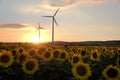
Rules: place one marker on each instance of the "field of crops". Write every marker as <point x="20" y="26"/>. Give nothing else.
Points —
<point x="39" y="62"/>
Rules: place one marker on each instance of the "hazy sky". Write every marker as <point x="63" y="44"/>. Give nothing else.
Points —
<point x="79" y="20"/>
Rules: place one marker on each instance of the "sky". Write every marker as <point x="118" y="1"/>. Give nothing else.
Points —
<point x="78" y="20"/>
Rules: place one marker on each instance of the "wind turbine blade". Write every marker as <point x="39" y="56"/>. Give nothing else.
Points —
<point x="47" y="16"/>
<point x="55" y="22"/>
<point x="41" y="28"/>
<point x="38" y="24"/>
<point x="56" y="11"/>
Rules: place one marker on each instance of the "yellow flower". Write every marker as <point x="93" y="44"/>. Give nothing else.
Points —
<point x="118" y="50"/>
<point x="63" y="56"/>
<point x="41" y="50"/>
<point x="83" y="53"/>
<point x="81" y="71"/>
<point x="95" y="55"/>
<point x="111" y="73"/>
<point x="14" y="52"/>
<point x="104" y="49"/>
<point x="30" y="66"/>
<point x="118" y="63"/>
<point x="56" y="53"/>
<point x="21" y="50"/>
<point x="21" y="57"/>
<point x="6" y="59"/>
<point x="47" y="56"/>
<point x="111" y="53"/>
<point x="75" y="59"/>
<point x="32" y="53"/>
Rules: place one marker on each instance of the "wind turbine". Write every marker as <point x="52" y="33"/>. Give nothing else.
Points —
<point x="53" y="21"/>
<point x="38" y="29"/>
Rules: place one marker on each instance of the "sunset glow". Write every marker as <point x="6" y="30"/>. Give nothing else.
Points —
<point x="35" y="39"/>
<point x="78" y="20"/>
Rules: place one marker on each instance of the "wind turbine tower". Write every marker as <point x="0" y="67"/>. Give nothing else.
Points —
<point x="38" y="29"/>
<point x="53" y="21"/>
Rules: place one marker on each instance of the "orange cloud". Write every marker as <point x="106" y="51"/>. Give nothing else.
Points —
<point x="15" y="26"/>
<point x="69" y="3"/>
<point x="60" y="3"/>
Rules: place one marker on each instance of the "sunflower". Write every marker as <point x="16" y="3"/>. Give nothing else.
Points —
<point x="56" y="53"/>
<point x="104" y="49"/>
<point x="83" y="53"/>
<point x="41" y="50"/>
<point x="63" y="56"/>
<point x="81" y="71"/>
<point x="111" y="53"/>
<point x="32" y="53"/>
<point x="111" y="73"/>
<point x="75" y="59"/>
<point x="95" y="55"/>
<point x="118" y="63"/>
<point x="30" y="66"/>
<point x="21" y="57"/>
<point x="6" y="59"/>
<point x="14" y="52"/>
<point x="70" y="54"/>
<point x="118" y="50"/>
<point x="20" y="50"/>
<point x="47" y="56"/>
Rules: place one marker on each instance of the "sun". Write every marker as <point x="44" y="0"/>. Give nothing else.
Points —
<point x="35" y="39"/>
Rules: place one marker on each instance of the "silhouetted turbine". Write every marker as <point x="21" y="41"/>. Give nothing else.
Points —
<point x="38" y="29"/>
<point x="53" y="20"/>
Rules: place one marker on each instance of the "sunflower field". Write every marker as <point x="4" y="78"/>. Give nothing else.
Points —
<point x="40" y="62"/>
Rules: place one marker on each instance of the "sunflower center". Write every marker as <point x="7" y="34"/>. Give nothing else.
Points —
<point x="30" y="65"/>
<point x="63" y="55"/>
<point x="14" y="52"/>
<point x="22" y="58"/>
<point x="56" y="53"/>
<point x="20" y="50"/>
<point x="47" y="55"/>
<point x="112" y="73"/>
<point x="95" y="55"/>
<point x="83" y="53"/>
<point x="75" y="59"/>
<point x="81" y="70"/>
<point x="103" y="50"/>
<point x="4" y="58"/>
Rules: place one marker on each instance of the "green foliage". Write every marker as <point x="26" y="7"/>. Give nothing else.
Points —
<point x="55" y="70"/>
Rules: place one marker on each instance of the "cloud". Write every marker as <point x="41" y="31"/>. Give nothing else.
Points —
<point x="60" y="3"/>
<point x="68" y="3"/>
<point x="15" y="26"/>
